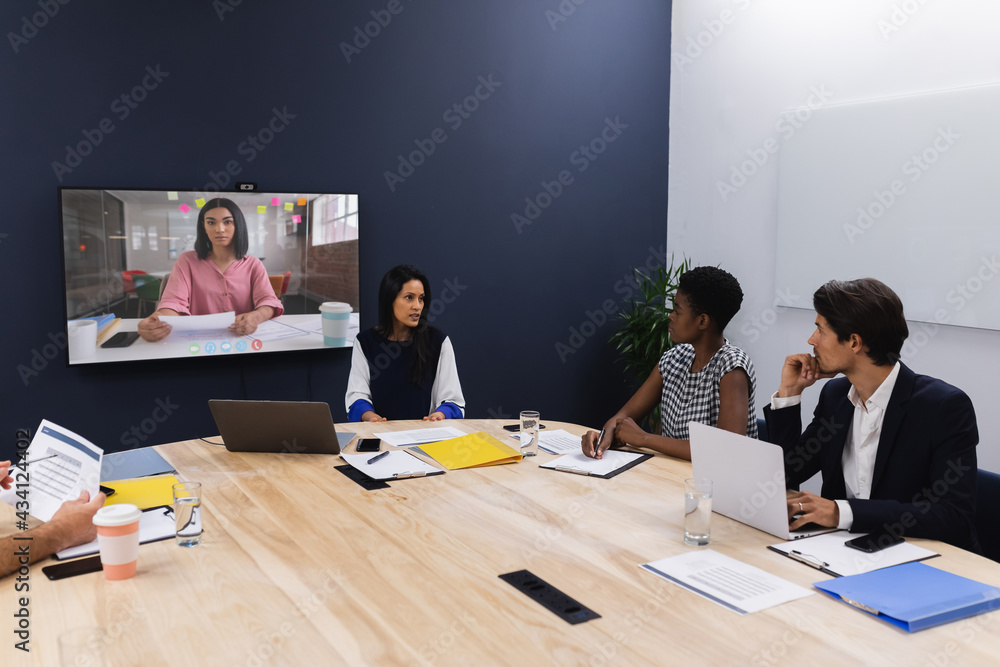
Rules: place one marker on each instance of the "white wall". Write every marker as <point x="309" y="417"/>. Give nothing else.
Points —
<point x="737" y="65"/>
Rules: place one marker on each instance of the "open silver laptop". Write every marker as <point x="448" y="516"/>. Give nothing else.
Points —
<point x="748" y="479"/>
<point x="292" y="427"/>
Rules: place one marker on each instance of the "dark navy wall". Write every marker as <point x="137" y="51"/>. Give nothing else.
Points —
<point x="526" y="296"/>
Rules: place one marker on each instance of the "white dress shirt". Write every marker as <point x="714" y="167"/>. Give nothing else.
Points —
<point x="858" y="461"/>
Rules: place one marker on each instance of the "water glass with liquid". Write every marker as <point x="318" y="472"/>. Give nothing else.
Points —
<point x="187" y="511"/>
<point x="529" y="433"/>
<point x="697" y="511"/>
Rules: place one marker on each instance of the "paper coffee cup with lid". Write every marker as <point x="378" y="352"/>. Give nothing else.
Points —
<point x="118" y="539"/>
<point x="336" y="316"/>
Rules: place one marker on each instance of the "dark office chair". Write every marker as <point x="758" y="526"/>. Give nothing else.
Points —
<point x="762" y="429"/>
<point x="147" y="288"/>
<point x="128" y="285"/>
<point x="987" y="510"/>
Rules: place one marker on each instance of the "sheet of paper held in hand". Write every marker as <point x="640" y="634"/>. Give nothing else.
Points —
<point x="196" y="327"/>
<point x="75" y="467"/>
<point x="418" y="436"/>
<point x="559" y="441"/>
<point x="726" y="581"/>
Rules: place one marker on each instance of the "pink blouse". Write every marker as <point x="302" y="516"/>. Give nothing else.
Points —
<point x="197" y="287"/>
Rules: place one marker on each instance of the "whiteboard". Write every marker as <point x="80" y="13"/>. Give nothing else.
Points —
<point x="906" y="190"/>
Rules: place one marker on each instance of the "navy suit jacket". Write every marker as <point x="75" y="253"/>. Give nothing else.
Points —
<point x="924" y="482"/>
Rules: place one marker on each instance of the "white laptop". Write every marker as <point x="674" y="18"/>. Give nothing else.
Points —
<point x="748" y="480"/>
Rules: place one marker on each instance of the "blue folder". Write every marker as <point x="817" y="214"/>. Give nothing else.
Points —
<point x="914" y="596"/>
<point x="133" y="463"/>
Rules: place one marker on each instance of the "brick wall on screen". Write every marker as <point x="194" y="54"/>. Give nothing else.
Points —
<point x="333" y="272"/>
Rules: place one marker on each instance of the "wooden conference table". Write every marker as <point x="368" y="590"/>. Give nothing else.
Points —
<point x="301" y="566"/>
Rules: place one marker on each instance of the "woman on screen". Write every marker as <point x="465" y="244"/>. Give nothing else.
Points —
<point x="403" y="368"/>
<point x="702" y="378"/>
<point x="217" y="276"/>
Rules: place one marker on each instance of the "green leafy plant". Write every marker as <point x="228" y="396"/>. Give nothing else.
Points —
<point x="643" y="337"/>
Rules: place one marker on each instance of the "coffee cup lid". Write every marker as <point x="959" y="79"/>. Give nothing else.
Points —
<point x="335" y="307"/>
<point x="117" y="515"/>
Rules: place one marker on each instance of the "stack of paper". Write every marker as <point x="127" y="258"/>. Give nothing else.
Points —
<point x="417" y="436"/>
<point x="557" y="442"/>
<point x="471" y="451"/>
<point x="726" y="581"/>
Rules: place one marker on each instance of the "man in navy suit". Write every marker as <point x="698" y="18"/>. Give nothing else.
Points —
<point x="897" y="450"/>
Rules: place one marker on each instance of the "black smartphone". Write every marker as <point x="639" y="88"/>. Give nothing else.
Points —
<point x="73" y="568"/>
<point x="368" y="445"/>
<point x="514" y="428"/>
<point x="107" y="491"/>
<point x="873" y="542"/>
<point x="121" y="339"/>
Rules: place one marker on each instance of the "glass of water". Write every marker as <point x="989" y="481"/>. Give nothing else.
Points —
<point x="697" y="511"/>
<point x="187" y="511"/>
<point x="529" y="433"/>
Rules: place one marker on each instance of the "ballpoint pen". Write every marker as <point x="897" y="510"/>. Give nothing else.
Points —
<point x="377" y="457"/>
<point x="597" y="444"/>
<point x="21" y="464"/>
<point x="809" y="560"/>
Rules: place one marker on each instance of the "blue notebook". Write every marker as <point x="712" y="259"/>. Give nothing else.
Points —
<point x="914" y="596"/>
<point x="133" y="463"/>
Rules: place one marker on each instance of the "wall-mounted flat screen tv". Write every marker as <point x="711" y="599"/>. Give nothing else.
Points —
<point x="158" y="274"/>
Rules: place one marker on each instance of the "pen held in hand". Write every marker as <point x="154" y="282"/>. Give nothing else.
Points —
<point x="21" y="464"/>
<point x="597" y="444"/>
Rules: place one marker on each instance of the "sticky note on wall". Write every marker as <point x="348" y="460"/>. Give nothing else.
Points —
<point x="184" y="208"/>
<point x="171" y="196"/>
<point x="302" y="201"/>
<point x="199" y="202"/>
<point x="262" y="210"/>
<point x="275" y="201"/>
<point x="289" y="206"/>
<point x="296" y="218"/>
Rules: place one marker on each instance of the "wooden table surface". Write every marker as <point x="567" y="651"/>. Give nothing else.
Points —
<point x="301" y="566"/>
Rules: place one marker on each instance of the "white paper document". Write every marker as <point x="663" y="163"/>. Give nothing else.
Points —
<point x="75" y="467"/>
<point x="418" y="436"/>
<point x="276" y="330"/>
<point x="726" y="581"/>
<point x="582" y="464"/>
<point x="154" y="524"/>
<point x="212" y="323"/>
<point x="393" y="465"/>
<point x="557" y="442"/>
<point x="828" y="553"/>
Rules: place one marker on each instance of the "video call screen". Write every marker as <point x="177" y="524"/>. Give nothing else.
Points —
<point x="120" y="247"/>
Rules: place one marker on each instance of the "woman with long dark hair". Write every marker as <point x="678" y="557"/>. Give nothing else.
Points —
<point x="217" y="276"/>
<point x="403" y="368"/>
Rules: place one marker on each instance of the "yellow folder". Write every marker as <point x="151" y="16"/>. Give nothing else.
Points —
<point x="143" y="492"/>
<point x="470" y="451"/>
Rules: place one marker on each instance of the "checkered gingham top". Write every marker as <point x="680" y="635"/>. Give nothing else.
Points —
<point x="689" y="397"/>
